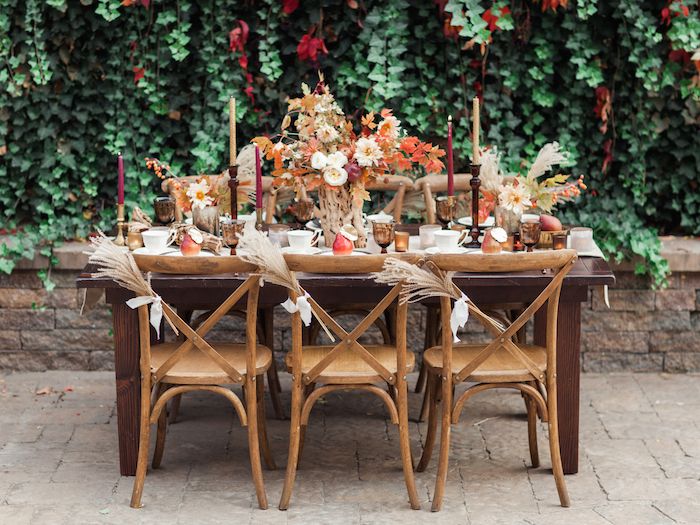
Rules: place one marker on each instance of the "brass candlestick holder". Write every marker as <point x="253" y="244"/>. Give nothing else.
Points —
<point x="119" y="240"/>
<point x="445" y="207"/>
<point x="258" y="219"/>
<point x="475" y="184"/>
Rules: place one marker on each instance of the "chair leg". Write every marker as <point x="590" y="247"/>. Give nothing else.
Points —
<point x="302" y="440"/>
<point x="433" y="395"/>
<point x="532" y="431"/>
<point x="275" y="389"/>
<point x="557" y="468"/>
<point x="405" y="442"/>
<point x="262" y="425"/>
<point x="144" y="440"/>
<point x="426" y="404"/>
<point x="160" y="432"/>
<point x="294" y="442"/>
<point x="420" y="382"/>
<point x="441" y="478"/>
<point x="254" y="440"/>
<point x="174" y="408"/>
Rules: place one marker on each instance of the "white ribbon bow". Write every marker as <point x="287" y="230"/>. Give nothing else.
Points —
<point x="156" y="308"/>
<point x="302" y="306"/>
<point x="459" y="317"/>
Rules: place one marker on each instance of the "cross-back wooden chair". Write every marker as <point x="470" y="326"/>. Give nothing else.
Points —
<point x="348" y="365"/>
<point x="501" y="363"/>
<point x="193" y="364"/>
<point x="266" y="315"/>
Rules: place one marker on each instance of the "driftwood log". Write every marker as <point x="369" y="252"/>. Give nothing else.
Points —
<point x="210" y="242"/>
<point x="337" y="209"/>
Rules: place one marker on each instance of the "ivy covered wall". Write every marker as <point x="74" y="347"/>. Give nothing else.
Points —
<point x="616" y="82"/>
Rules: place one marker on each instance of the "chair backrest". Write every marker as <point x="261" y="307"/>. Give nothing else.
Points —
<point x="432" y="184"/>
<point x="396" y="183"/>
<point x="194" y="339"/>
<point x="347" y="342"/>
<point x="559" y="262"/>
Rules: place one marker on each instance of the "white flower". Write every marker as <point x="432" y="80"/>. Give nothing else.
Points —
<point x="327" y="133"/>
<point x="335" y="176"/>
<point x="367" y="152"/>
<point x="389" y="127"/>
<point x="319" y="161"/>
<point x="197" y="193"/>
<point x="337" y="159"/>
<point x="514" y="198"/>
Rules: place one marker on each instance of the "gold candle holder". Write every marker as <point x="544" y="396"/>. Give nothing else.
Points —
<point x="258" y="219"/>
<point x="119" y="239"/>
<point x="401" y="241"/>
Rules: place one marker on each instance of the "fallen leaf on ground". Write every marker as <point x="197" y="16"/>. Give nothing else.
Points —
<point x="43" y="391"/>
<point x="68" y="388"/>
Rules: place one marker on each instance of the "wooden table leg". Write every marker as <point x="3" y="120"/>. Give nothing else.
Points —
<point x="568" y="377"/>
<point x="128" y="381"/>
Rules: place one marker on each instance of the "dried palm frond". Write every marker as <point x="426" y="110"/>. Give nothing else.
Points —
<point x="119" y="265"/>
<point x="255" y="247"/>
<point x="548" y="156"/>
<point x="490" y="174"/>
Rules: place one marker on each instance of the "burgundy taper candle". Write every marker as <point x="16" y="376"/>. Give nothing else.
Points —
<point x="120" y="180"/>
<point x="258" y="180"/>
<point x="450" y="161"/>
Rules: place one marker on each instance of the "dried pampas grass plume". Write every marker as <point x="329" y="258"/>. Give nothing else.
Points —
<point x="547" y="157"/>
<point x="119" y="265"/>
<point x="491" y="175"/>
<point x="420" y="283"/>
<point x="256" y="248"/>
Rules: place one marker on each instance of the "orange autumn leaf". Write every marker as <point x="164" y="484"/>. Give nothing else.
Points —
<point x="368" y="120"/>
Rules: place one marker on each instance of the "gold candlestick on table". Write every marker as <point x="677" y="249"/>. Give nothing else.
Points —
<point x="119" y="239"/>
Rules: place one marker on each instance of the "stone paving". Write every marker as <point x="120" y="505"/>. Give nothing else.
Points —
<point x="640" y="459"/>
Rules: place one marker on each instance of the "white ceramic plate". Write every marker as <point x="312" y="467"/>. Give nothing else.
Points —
<point x="298" y="251"/>
<point x="467" y="221"/>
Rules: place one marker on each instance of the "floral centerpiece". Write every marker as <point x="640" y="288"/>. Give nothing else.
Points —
<point x="319" y="150"/>
<point x="510" y="195"/>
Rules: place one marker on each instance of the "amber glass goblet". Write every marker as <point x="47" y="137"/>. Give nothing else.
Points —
<point x="165" y="209"/>
<point x="303" y="211"/>
<point x="383" y="233"/>
<point x="445" y="209"/>
<point x="530" y="233"/>
<point x="231" y="230"/>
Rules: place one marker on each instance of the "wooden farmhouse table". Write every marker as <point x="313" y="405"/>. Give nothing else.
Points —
<point x="196" y="292"/>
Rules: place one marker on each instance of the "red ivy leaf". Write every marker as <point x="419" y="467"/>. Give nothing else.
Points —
<point x="352" y="4"/>
<point x="139" y="73"/>
<point x="238" y="37"/>
<point x="289" y="6"/>
<point x="309" y="47"/>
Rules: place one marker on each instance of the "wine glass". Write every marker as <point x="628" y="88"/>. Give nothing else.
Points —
<point x="231" y="230"/>
<point x="383" y="233"/>
<point x="165" y="209"/>
<point x="530" y="233"/>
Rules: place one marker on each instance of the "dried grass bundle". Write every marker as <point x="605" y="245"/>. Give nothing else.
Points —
<point x="255" y="247"/>
<point x="421" y="283"/>
<point x="547" y="157"/>
<point x="119" y="265"/>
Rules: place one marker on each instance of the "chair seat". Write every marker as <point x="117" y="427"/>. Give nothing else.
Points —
<point x="500" y="367"/>
<point x="349" y="367"/>
<point x="196" y="367"/>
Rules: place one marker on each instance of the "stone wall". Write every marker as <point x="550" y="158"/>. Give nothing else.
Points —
<point x="644" y="329"/>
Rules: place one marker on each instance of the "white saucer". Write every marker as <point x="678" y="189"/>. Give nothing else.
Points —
<point x="467" y="221"/>
<point x="145" y="251"/>
<point x="300" y="251"/>
<point x="434" y="250"/>
<point x="313" y="226"/>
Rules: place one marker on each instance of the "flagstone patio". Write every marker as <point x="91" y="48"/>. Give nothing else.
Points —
<point x="640" y="459"/>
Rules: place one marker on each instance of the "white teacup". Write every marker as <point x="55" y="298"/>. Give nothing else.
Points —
<point x="156" y="240"/>
<point x="449" y="240"/>
<point x="427" y="234"/>
<point x="302" y="239"/>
